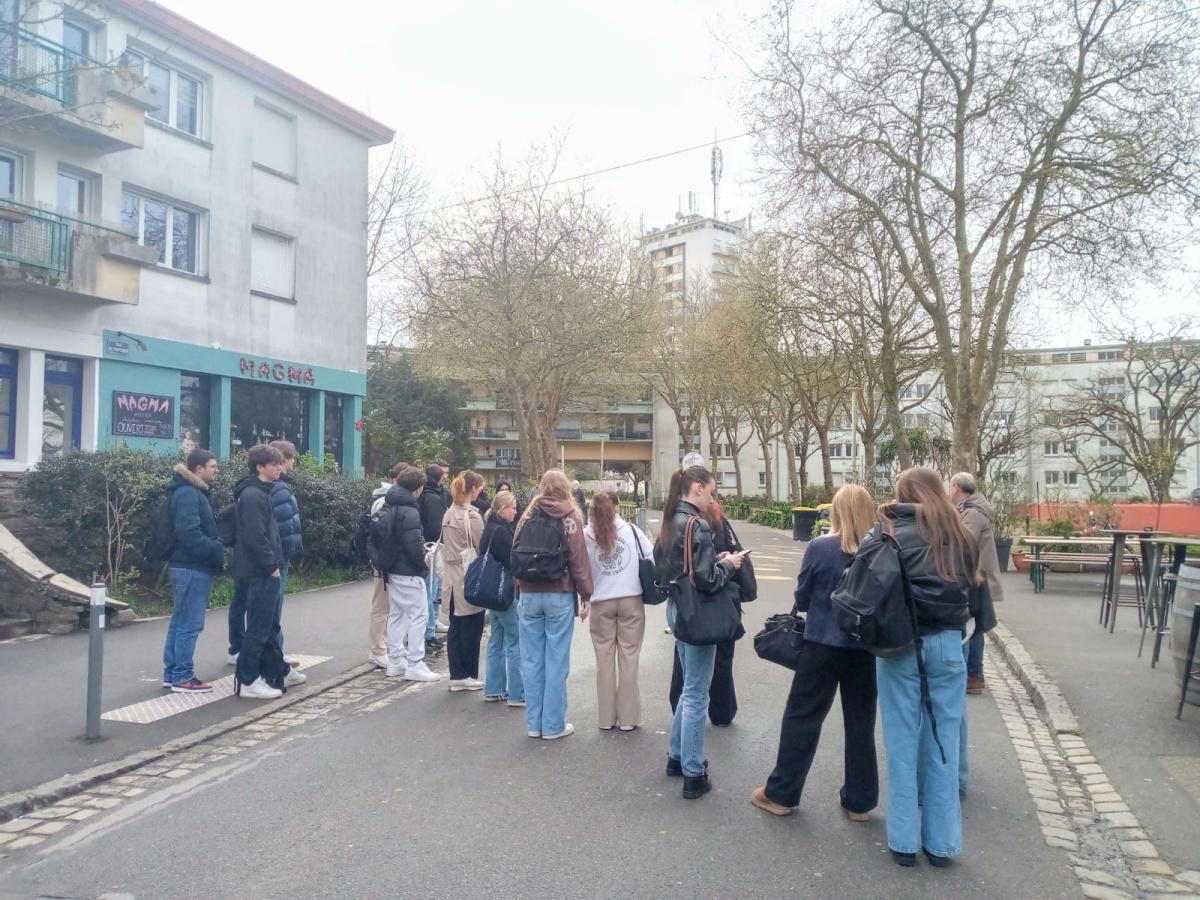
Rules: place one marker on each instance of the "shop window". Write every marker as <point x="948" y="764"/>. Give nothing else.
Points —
<point x="194" y="396"/>
<point x="8" y="403"/>
<point x="334" y="406"/>
<point x="62" y="401"/>
<point x="265" y="412"/>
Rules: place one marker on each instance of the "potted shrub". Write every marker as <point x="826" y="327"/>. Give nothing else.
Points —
<point x="1008" y="506"/>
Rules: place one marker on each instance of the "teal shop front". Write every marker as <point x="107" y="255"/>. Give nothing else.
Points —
<point x="170" y="396"/>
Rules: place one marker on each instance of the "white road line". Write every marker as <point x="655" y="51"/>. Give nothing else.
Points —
<point x="172" y="704"/>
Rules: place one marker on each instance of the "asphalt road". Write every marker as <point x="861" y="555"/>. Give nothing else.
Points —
<point x="441" y="795"/>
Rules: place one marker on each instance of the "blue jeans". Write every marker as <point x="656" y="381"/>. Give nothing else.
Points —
<point x="503" y="678"/>
<point x="237" y="613"/>
<point x="433" y="589"/>
<point x="913" y="758"/>
<point x="546" y="623"/>
<point x="687" y="729"/>
<point x="973" y="651"/>
<point x="190" y="589"/>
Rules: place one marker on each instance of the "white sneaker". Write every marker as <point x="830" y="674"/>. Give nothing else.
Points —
<point x="421" y="672"/>
<point x="465" y="684"/>
<point x="568" y="729"/>
<point x="232" y="659"/>
<point x="379" y="662"/>
<point x="294" y="677"/>
<point x="442" y="628"/>
<point x="395" y="671"/>
<point x="259" y="690"/>
<point x="292" y="660"/>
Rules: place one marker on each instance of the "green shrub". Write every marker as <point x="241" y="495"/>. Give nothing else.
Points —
<point x="771" y="517"/>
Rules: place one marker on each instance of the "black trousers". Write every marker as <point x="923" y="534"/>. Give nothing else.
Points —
<point x="262" y="619"/>
<point x="462" y="644"/>
<point x="820" y="673"/>
<point x="722" y="698"/>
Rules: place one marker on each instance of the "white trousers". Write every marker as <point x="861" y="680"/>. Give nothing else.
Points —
<point x="408" y="612"/>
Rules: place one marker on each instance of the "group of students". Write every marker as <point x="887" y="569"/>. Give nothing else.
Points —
<point x="264" y="527"/>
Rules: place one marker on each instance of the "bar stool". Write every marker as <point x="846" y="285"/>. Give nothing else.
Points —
<point x="1190" y="661"/>
<point x="1134" y="596"/>
<point x="1161" y="617"/>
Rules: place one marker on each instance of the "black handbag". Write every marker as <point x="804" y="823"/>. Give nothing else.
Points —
<point x="781" y="639"/>
<point x="487" y="583"/>
<point x="703" y="619"/>
<point x="745" y="577"/>
<point x="650" y="593"/>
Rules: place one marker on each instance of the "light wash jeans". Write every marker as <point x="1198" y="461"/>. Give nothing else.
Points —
<point x="407" y="608"/>
<point x="547" y="621"/>
<point x="913" y="759"/>
<point x="433" y="588"/>
<point x="691" y="713"/>
<point x="190" y="589"/>
<point x="503" y="678"/>
<point x="973" y="653"/>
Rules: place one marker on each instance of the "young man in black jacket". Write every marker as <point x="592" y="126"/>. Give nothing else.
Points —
<point x="433" y="503"/>
<point x="257" y="557"/>
<point x="407" y="598"/>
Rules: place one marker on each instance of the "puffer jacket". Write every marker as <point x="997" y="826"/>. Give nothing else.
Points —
<point x="941" y="605"/>
<point x="258" y="552"/>
<point x="287" y="515"/>
<point x="710" y="575"/>
<point x="407" y="531"/>
<point x="197" y="545"/>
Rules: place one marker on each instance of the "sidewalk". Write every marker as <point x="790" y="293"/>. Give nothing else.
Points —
<point x="1126" y="710"/>
<point x="45" y="683"/>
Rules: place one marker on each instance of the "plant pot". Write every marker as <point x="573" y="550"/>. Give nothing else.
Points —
<point x="1020" y="561"/>
<point x="1003" y="548"/>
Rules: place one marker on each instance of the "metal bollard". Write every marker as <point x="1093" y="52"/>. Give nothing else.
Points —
<point x="95" y="661"/>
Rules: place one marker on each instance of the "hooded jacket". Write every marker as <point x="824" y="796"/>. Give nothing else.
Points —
<point x="407" y="532"/>
<point x="941" y="605"/>
<point x="433" y="503"/>
<point x="979" y="519"/>
<point x="196" y="543"/>
<point x="578" y="577"/>
<point x="258" y="551"/>
<point x="287" y="515"/>
<point x="709" y="575"/>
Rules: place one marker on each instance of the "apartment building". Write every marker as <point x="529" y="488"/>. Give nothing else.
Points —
<point x="693" y="253"/>
<point x="182" y="251"/>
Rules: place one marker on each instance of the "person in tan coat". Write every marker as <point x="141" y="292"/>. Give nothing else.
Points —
<point x="462" y="527"/>
<point x="979" y="518"/>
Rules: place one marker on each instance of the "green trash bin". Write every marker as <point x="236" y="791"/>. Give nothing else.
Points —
<point x="803" y="519"/>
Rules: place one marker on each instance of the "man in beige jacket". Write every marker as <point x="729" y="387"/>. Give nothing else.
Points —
<point x="979" y="518"/>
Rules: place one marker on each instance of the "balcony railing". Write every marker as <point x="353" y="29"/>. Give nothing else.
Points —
<point x="33" y="63"/>
<point x="34" y="237"/>
<point x="628" y="435"/>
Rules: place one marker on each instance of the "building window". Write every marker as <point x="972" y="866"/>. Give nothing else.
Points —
<point x="62" y="405"/>
<point x="76" y="39"/>
<point x="1108" y="355"/>
<point x="74" y="193"/>
<point x="1156" y="414"/>
<point x="178" y="95"/>
<point x="194" y="406"/>
<point x="260" y="413"/>
<point x="8" y="175"/>
<point x="334" y="405"/>
<point x="274" y="140"/>
<point x="762" y="479"/>
<point x="158" y="223"/>
<point x="272" y="264"/>
<point x="8" y="403"/>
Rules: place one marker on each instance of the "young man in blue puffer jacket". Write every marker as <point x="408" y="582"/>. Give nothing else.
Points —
<point x="287" y="515"/>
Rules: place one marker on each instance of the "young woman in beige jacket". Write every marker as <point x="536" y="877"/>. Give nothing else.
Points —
<point x="462" y="527"/>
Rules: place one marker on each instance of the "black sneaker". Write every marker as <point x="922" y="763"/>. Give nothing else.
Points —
<point x="435" y="644"/>
<point x="696" y="786"/>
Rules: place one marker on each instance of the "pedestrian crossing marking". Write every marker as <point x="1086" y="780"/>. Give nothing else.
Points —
<point x="773" y="577"/>
<point x="172" y="704"/>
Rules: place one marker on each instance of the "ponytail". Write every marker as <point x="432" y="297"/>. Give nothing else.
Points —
<point x="462" y="485"/>
<point x="603" y="519"/>
<point x="682" y="481"/>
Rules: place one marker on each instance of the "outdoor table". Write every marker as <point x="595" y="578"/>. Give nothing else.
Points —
<point x="1112" y="587"/>
<point x="1037" y="575"/>
<point x="1156" y="587"/>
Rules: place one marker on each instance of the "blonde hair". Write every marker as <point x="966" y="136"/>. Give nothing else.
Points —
<point x="554" y="486"/>
<point x="463" y="484"/>
<point x="851" y="515"/>
<point x="502" y="500"/>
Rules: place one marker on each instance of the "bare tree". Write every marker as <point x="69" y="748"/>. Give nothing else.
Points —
<point x="395" y="223"/>
<point x="987" y="140"/>
<point x="534" y="291"/>
<point x="1145" y="412"/>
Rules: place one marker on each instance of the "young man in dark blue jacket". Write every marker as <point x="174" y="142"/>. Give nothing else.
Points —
<point x="287" y="515"/>
<point x="257" y="561"/>
<point x="408" y="607"/>
<point x="197" y="556"/>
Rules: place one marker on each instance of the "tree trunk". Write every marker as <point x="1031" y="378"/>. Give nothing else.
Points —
<point x="826" y="465"/>
<point x="793" y="479"/>
<point x="768" y="493"/>
<point x="737" y="474"/>
<point x="966" y="435"/>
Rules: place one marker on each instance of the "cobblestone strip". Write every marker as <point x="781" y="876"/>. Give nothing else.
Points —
<point x="363" y="692"/>
<point x="1078" y="809"/>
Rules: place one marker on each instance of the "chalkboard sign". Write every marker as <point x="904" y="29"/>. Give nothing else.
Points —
<point x="143" y="415"/>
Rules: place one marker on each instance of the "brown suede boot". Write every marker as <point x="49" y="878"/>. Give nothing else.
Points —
<point x="975" y="684"/>
<point x="760" y="799"/>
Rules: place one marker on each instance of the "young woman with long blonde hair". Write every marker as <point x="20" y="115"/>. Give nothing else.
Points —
<point x="462" y="528"/>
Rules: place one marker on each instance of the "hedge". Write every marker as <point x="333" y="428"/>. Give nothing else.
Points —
<point x="103" y="502"/>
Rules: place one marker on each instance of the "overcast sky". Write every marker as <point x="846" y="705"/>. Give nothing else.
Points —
<point x="622" y="79"/>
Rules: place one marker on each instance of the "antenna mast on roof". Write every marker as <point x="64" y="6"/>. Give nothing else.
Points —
<point x="718" y="163"/>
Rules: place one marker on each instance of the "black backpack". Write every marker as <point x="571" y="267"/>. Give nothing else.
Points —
<point x="159" y="543"/>
<point x="539" y="550"/>
<point x="227" y="525"/>
<point x="382" y="550"/>
<point x="361" y="535"/>
<point x="883" y="620"/>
